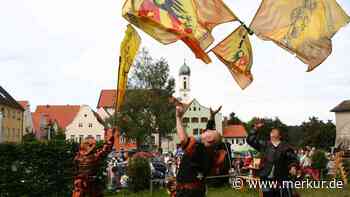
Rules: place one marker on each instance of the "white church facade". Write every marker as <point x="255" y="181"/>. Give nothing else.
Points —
<point x="196" y="116"/>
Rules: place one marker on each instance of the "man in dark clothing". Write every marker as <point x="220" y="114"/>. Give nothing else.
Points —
<point x="279" y="161"/>
<point x="197" y="160"/>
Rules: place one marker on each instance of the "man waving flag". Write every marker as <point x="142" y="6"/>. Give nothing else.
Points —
<point x="303" y="27"/>
<point x="170" y="20"/>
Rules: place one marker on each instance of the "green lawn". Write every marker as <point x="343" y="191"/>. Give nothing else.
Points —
<point x="227" y="192"/>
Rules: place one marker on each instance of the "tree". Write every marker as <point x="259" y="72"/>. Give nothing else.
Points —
<point x="269" y="124"/>
<point x="318" y="133"/>
<point x="233" y="119"/>
<point x="147" y="108"/>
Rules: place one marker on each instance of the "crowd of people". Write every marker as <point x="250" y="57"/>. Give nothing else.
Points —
<point x="200" y="157"/>
<point x="243" y="163"/>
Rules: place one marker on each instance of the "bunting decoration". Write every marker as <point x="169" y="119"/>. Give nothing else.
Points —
<point x="303" y="27"/>
<point x="235" y="52"/>
<point x="168" y="21"/>
<point x="128" y="51"/>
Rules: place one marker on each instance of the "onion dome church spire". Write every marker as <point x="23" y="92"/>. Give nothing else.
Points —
<point x="184" y="79"/>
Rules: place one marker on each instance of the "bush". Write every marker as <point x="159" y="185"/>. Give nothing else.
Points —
<point x="36" y="169"/>
<point x="139" y="172"/>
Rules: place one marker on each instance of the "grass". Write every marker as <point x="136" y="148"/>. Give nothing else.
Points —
<point x="227" y="192"/>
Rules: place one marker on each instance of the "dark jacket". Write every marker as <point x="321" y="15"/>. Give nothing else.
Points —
<point x="282" y="157"/>
<point x="195" y="163"/>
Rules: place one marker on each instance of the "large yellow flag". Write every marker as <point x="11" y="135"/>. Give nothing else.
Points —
<point x="236" y="52"/>
<point x="128" y="51"/>
<point x="303" y="27"/>
<point x="188" y="20"/>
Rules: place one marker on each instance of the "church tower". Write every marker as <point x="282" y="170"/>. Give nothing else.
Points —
<point x="184" y="79"/>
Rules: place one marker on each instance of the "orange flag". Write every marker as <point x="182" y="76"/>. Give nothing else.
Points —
<point x="235" y="52"/>
<point x="188" y="20"/>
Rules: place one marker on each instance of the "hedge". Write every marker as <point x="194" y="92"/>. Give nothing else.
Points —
<point x="36" y="169"/>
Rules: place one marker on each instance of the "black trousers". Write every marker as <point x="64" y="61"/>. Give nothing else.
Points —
<point x="278" y="193"/>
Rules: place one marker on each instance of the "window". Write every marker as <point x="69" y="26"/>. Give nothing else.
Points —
<point x="14" y="115"/>
<point x="98" y="137"/>
<point x="81" y="137"/>
<point x="199" y="108"/>
<point x="185" y="120"/>
<point x="85" y="115"/>
<point x="80" y="125"/>
<point x="241" y="141"/>
<point x="72" y="137"/>
<point x="194" y="120"/>
<point x="233" y="141"/>
<point x="195" y="131"/>
<point x="122" y="140"/>
<point x="204" y="119"/>
<point x="90" y="125"/>
<point x="194" y="109"/>
<point x="153" y="139"/>
<point x="185" y="85"/>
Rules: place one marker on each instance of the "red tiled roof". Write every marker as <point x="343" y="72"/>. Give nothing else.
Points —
<point x="234" y="131"/>
<point x="24" y="104"/>
<point x="107" y="98"/>
<point x="62" y="114"/>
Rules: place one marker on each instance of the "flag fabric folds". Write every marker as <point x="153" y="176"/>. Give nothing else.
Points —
<point x="188" y="20"/>
<point x="128" y="51"/>
<point x="303" y="27"/>
<point x="235" y="52"/>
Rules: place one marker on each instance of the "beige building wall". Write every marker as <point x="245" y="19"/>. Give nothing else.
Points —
<point x="343" y="126"/>
<point x="196" y="110"/>
<point x="85" y="124"/>
<point x="12" y="124"/>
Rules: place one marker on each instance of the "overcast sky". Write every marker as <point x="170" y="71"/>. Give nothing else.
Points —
<point x="65" y="52"/>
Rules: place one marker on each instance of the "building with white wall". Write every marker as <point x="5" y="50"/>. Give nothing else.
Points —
<point x="78" y="122"/>
<point x="342" y="118"/>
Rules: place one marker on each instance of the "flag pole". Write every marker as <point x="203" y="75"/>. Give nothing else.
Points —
<point x="115" y="121"/>
<point x="250" y="31"/>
